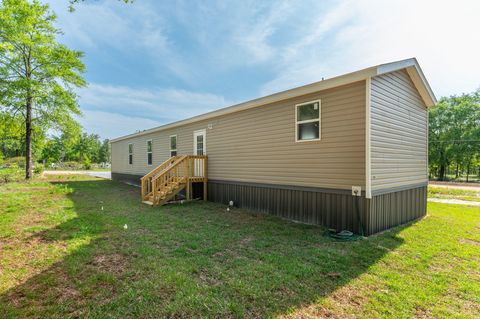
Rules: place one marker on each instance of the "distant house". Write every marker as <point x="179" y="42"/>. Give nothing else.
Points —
<point x="302" y="154"/>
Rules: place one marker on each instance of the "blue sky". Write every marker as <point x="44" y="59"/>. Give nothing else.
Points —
<point x="153" y="62"/>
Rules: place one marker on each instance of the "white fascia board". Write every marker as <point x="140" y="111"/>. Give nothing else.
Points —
<point x="416" y="74"/>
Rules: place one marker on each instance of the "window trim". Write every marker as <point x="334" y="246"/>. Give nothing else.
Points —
<point x="319" y="120"/>
<point x="151" y="152"/>
<point x="130" y="154"/>
<point x="170" y="142"/>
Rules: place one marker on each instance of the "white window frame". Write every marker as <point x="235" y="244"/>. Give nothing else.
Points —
<point x="170" y="142"/>
<point x="130" y="153"/>
<point x="151" y="152"/>
<point x="319" y="120"/>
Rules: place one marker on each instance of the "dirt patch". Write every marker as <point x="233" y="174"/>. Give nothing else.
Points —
<point x="334" y="275"/>
<point x="246" y="240"/>
<point x="208" y="279"/>
<point x="350" y="296"/>
<point x="24" y="189"/>
<point x="64" y="289"/>
<point x="114" y="263"/>
<point x="423" y="314"/>
<point x="470" y="241"/>
<point x="316" y="312"/>
<point x="340" y="303"/>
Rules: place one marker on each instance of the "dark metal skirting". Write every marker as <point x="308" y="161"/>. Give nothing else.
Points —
<point x="396" y="208"/>
<point x="331" y="208"/>
<point x="127" y="178"/>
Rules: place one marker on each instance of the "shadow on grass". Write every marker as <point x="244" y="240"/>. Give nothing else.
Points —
<point x="191" y="260"/>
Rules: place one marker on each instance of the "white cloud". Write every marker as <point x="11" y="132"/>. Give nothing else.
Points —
<point x="369" y="32"/>
<point x="96" y="24"/>
<point x="131" y="106"/>
<point x="110" y="125"/>
<point x="137" y="29"/>
<point x="253" y="36"/>
<point x="441" y="34"/>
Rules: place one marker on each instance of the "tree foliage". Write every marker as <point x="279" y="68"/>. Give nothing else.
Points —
<point x="454" y="134"/>
<point x="37" y="74"/>
<point x="82" y="148"/>
<point x="12" y="136"/>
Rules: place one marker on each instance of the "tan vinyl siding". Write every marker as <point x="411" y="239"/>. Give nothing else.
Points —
<point x="258" y="144"/>
<point x="399" y="128"/>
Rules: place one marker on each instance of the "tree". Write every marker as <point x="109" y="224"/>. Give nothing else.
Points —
<point x="88" y="147"/>
<point x="454" y="132"/>
<point x="12" y="136"/>
<point x="37" y="74"/>
<point x="11" y="133"/>
<point x="105" y="152"/>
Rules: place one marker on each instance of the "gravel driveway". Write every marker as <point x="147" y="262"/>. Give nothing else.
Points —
<point x="107" y="175"/>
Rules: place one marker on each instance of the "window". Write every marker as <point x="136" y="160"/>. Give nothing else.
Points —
<point x="149" y="152"/>
<point x="199" y="144"/>
<point x="307" y="116"/>
<point x="173" y="145"/>
<point x="130" y="154"/>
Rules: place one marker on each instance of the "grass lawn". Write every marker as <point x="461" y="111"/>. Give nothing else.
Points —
<point x="451" y="193"/>
<point x="63" y="256"/>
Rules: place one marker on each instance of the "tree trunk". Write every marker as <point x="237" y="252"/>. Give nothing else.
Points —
<point x="441" y="173"/>
<point x="456" y="172"/>
<point x="468" y="170"/>
<point x="28" y="139"/>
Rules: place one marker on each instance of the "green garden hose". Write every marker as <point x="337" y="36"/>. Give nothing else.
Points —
<point x="346" y="235"/>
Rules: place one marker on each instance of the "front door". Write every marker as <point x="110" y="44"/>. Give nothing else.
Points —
<point x="199" y="148"/>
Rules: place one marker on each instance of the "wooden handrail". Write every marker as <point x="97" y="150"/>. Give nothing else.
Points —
<point x="179" y="169"/>
<point x="175" y="162"/>
<point x="160" y="167"/>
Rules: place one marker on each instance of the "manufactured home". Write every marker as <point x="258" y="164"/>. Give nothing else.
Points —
<point x="349" y="152"/>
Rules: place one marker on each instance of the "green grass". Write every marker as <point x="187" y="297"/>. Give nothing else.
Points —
<point x="451" y="193"/>
<point x="62" y="256"/>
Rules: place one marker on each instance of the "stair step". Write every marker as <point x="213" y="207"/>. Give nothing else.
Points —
<point x="165" y="193"/>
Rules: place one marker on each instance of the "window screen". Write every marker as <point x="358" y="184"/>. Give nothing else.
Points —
<point x="173" y="145"/>
<point x="149" y="153"/>
<point x="130" y="154"/>
<point x="308" y="121"/>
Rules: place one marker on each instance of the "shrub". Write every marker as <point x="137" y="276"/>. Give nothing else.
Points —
<point x="18" y="161"/>
<point x="5" y="178"/>
<point x="8" y="175"/>
<point x="69" y="166"/>
<point x="38" y="169"/>
<point x="87" y="163"/>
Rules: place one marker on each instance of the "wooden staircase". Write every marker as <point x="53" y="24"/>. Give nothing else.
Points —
<point x="172" y="176"/>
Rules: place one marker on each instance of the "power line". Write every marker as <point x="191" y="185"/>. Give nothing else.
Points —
<point x="455" y="141"/>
